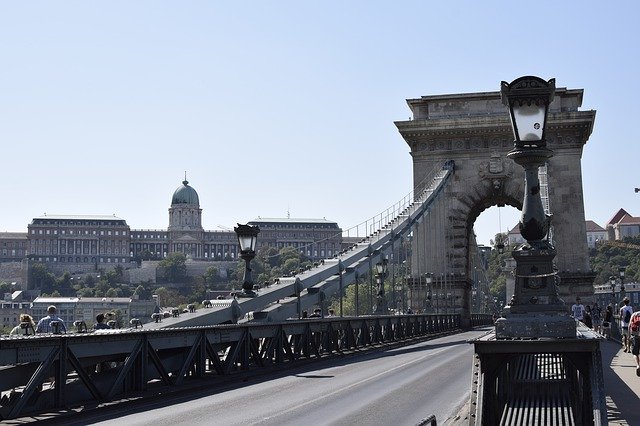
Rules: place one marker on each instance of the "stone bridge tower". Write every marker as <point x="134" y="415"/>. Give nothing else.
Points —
<point x="474" y="130"/>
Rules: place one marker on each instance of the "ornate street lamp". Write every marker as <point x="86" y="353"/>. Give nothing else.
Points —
<point x="621" y="273"/>
<point x="247" y="238"/>
<point x="381" y="273"/>
<point x="612" y="283"/>
<point x="428" y="278"/>
<point x="535" y="309"/>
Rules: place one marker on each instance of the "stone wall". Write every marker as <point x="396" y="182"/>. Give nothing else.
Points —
<point x="14" y="272"/>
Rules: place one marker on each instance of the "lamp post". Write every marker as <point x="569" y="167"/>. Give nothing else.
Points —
<point x="247" y="238"/>
<point x="535" y="309"/>
<point x="428" y="299"/>
<point x="612" y="283"/>
<point x="381" y="273"/>
<point x="621" y="274"/>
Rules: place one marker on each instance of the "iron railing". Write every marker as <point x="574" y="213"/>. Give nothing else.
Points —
<point x="48" y="372"/>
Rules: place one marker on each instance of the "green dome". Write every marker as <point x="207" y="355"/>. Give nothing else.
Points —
<point x="185" y="195"/>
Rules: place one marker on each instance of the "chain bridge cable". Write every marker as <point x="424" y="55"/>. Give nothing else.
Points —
<point x="388" y="215"/>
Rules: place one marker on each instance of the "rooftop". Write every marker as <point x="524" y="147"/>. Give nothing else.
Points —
<point x="79" y="217"/>
<point x="290" y="220"/>
<point x="13" y="235"/>
<point x="593" y="227"/>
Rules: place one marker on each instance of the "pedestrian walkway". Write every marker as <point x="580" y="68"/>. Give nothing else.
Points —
<point x="621" y="384"/>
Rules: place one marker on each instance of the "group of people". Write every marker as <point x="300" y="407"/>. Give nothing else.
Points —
<point x="629" y="324"/>
<point x="51" y="323"/>
<point x="593" y="317"/>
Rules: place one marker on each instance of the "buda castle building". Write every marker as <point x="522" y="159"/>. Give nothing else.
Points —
<point x="85" y="243"/>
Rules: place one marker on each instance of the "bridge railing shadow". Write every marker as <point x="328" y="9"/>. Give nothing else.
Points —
<point x="47" y="372"/>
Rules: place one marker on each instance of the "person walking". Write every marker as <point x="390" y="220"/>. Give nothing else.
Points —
<point x="634" y="334"/>
<point x="606" y="322"/>
<point x="625" y="317"/>
<point x="596" y="318"/>
<point x="587" y="317"/>
<point x="577" y="310"/>
<point x="607" y="318"/>
<point x="25" y="328"/>
<point x="44" y="325"/>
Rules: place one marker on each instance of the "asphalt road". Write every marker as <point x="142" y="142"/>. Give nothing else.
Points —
<point x="396" y="387"/>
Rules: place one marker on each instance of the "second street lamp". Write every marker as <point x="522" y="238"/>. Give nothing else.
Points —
<point x="381" y="273"/>
<point x="612" y="283"/>
<point x="428" y="304"/>
<point x="247" y="238"/>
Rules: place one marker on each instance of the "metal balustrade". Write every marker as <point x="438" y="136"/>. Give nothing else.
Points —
<point x="48" y="372"/>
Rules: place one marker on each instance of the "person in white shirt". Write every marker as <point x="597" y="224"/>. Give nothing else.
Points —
<point x="625" y="317"/>
<point x="577" y="310"/>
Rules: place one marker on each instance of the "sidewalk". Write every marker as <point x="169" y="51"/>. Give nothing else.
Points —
<point x="621" y="384"/>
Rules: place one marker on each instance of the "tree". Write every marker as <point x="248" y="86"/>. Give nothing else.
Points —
<point x="89" y="281"/>
<point x="175" y="267"/>
<point x="143" y="292"/>
<point x="85" y="292"/>
<point x="113" y="292"/>
<point x="170" y="297"/>
<point x="211" y="276"/>
<point x="64" y="286"/>
<point x="365" y="294"/>
<point x="41" y="278"/>
<point x="110" y="277"/>
<point x="5" y="287"/>
<point x="119" y="271"/>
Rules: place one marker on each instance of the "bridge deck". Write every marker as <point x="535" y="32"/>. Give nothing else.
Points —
<point x="622" y="386"/>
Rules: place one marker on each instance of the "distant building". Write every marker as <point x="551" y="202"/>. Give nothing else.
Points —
<point x="315" y="238"/>
<point x="622" y="225"/>
<point x="85" y="309"/>
<point x="514" y="237"/>
<point x="82" y="240"/>
<point x="11" y="307"/>
<point x="604" y="295"/>
<point x="595" y="234"/>
<point x="87" y="243"/>
<point x="13" y="246"/>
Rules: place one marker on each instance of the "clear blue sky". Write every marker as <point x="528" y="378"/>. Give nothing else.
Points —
<point x="273" y="106"/>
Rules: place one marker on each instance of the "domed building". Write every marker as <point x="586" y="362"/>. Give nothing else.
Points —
<point x="83" y="243"/>
<point x="185" y="222"/>
<point x="185" y="233"/>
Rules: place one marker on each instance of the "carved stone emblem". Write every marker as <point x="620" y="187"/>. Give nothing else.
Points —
<point x="495" y="168"/>
<point x="495" y="165"/>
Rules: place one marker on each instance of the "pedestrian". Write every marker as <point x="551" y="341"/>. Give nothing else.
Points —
<point x="100" y="325"/>
<point x="25" y="328"/>
<point x="606" y="322"/>
<point x="634" y="333"/>
<point x="577" y="310"/>
<point x="586" y="318"/>
<point x="44" y="325"/>
<point x="625" y="317"/>
<point x="596" y="318"/>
